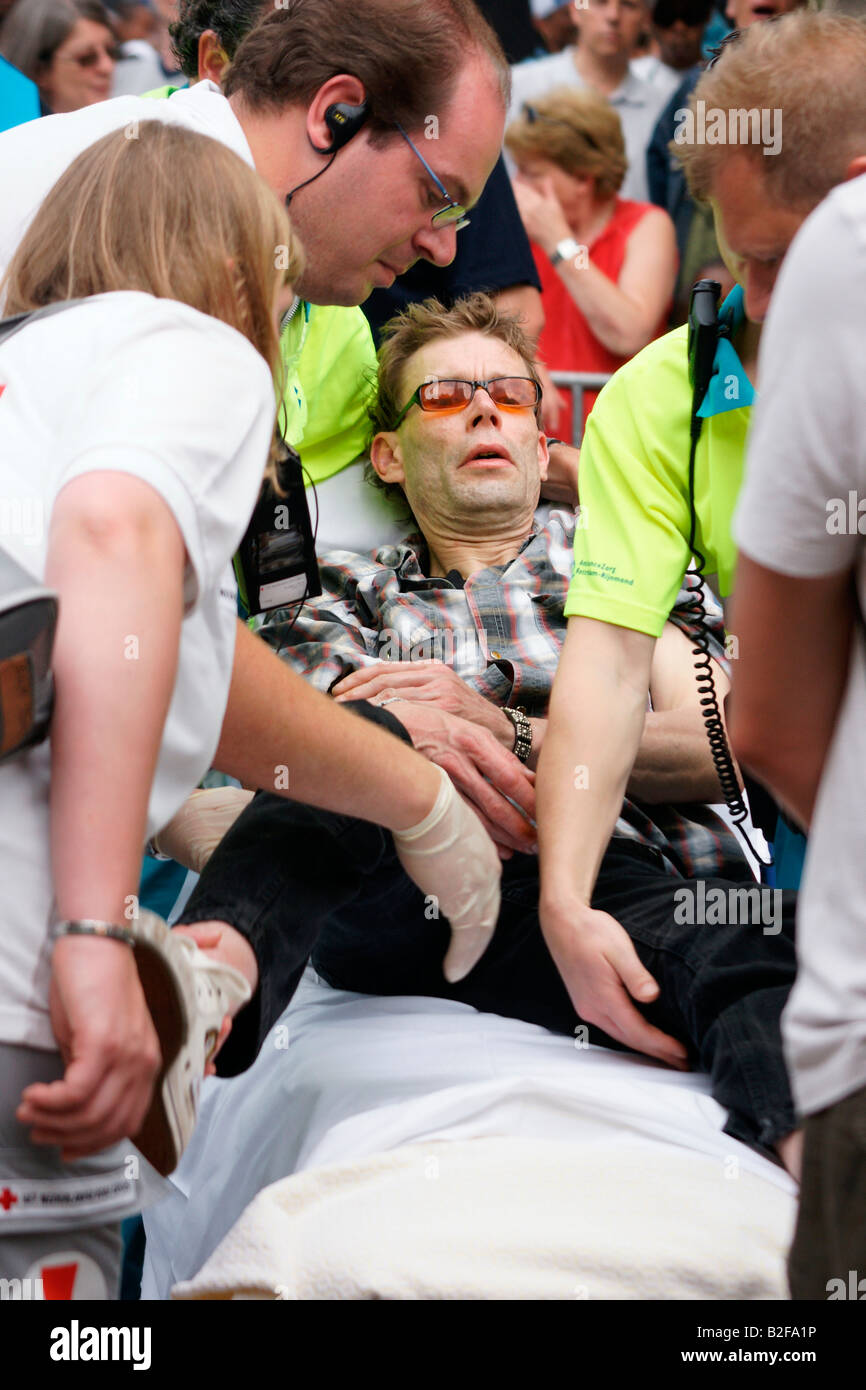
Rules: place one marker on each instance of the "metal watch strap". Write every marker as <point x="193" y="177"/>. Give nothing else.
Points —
<point x="90" y="926"/>
<point x="522" y="734"/>
<point x="564" y="251"/>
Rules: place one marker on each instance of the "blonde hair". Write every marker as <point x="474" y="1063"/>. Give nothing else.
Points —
<point x="165" y="211"/>
<point x="578" y="130"/>
<point x="812" y="68"/>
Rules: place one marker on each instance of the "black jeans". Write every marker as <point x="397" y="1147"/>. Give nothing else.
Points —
<point x="300" y="883"/>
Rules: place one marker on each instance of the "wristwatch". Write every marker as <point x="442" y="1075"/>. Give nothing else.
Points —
<point x="566" y="250"/>
<point x="522" y="734"/>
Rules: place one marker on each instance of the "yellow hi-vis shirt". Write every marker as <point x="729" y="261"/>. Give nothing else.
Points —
<point x="333" y="373"/>
<point x="631" y="544"/>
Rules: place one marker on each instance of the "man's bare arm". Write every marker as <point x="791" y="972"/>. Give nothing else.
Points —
<point x="674" y="762"/>
<point x="794" y="641"/>
<point x="597" y="714"/>
<point x="275" y="720"/>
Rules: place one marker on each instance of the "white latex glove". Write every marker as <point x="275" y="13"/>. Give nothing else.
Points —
<point x="451" y="857"/>
<point x="193" y="834"/>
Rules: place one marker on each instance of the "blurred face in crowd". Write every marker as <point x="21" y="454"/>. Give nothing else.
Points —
<point x="572" y="190"/>
<point x="607" y="28"/>
<point x="679" y="44"/>
<point x="81" y="69"/>
<point x="741" y="13"/>
<point x="138" y="23"/>
<point x="472" y="467"/>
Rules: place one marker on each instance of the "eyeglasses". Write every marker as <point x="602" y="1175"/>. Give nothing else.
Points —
<point x="452" y="212"/>
<point x="91" y="56"/>
<point x="445" y="396"/>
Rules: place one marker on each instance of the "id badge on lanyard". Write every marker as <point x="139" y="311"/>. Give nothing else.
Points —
<point x="276" y="562"/>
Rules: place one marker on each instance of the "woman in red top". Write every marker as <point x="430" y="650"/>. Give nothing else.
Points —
<point x="607" y="265"/>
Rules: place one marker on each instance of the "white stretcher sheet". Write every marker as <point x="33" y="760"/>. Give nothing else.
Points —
<point x="345" y="1076"/>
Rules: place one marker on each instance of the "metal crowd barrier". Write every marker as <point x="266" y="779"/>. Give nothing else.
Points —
<point x="577" y="383"/>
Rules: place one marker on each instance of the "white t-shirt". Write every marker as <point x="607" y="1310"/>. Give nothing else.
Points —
<point x="637" y="104"/>
<point x="138" y="70"/>
<point x="806" y="464"/>
<point x="33" y="156"/>
<point x="133" y="384"/>
<point x="652" y="70"/>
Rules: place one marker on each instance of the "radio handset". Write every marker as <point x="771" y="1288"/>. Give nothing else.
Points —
<point x="704" y="333"/>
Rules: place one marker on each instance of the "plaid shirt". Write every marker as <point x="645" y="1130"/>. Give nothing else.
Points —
<point x="502" y="631"/>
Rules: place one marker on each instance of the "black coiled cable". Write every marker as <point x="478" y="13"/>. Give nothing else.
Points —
<point x="720" y="749"/>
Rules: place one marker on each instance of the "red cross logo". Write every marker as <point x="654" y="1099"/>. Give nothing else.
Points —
<point x="7" y="1199"/>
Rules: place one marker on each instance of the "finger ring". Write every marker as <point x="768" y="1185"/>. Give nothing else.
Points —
<point x="390" y="700"/>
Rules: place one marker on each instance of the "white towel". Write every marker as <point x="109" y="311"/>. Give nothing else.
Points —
<point x="506" y="1218"/>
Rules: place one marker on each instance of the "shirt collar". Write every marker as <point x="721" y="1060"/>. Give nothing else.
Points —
<point x="729" y="388"/>
<point x="410" y="558"/>
<point x="632" y="91"/>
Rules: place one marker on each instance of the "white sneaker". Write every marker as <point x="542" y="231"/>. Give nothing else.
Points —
<point x="188" y="996"/>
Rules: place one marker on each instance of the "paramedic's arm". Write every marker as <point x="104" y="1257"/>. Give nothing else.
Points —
<point x="674" y="762"/>
<point x="794" y="641"/>
<point x="276" y="720"/>
<point x="275" y="723"/>
<point x="116" y="557"/>
<point x="597" y="714"/>
<point x="805" y="454"/>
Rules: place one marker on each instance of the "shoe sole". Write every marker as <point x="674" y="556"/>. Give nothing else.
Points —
<point x="160" y="1138"/>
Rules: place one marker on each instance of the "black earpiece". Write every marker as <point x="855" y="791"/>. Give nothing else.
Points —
<point x="343" y="121"/>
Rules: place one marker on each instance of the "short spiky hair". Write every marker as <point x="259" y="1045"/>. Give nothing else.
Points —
<point x="430" y="322"/>
<point x="808" y="65"/>
<point x="230" y="20"/>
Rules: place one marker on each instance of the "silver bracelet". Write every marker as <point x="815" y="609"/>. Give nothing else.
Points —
<point x="522" y="734"/>
<point x="88" y="926"/>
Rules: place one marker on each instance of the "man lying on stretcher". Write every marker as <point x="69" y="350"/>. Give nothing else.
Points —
<point x="453" y="638"/>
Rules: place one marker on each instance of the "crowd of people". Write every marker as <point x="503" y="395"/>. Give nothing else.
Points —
<point x="284" y="311"/>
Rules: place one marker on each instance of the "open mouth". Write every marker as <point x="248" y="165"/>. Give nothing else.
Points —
<point x="490" y="455"/>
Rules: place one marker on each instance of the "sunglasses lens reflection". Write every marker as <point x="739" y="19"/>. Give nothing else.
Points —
<point x="508" y="392"/>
